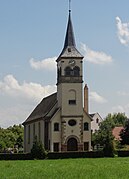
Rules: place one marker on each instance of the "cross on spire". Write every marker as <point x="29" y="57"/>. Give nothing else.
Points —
<point x="69" y="5"/>
<point x="69" y="39"/>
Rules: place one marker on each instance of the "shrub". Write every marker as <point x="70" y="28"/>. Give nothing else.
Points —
<point x="109" y="150"/>
<point x="123" y="153"/>
<point x="63" y="155"/>
<point x="16" y="156"/>
<point x="38" y="151"/>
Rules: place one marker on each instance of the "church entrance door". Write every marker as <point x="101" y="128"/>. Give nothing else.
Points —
<point x="72" y="145"/>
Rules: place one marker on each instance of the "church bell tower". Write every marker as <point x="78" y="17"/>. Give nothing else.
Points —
<point x="69" y="89"/>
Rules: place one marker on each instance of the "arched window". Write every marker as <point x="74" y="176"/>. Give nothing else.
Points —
<point x="56" y="126"/>
<point x="76" y="71"/>
<point x="72" y="97"/>
<point x="97" y="120"/>
<point x="86" y="126"/>
<point x="67" y="71"/>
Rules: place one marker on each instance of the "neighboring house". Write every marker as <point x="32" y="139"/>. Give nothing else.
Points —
<point x="59" y="121"/>
<point x="97" y="119"/>
<point x="116" y="132"/>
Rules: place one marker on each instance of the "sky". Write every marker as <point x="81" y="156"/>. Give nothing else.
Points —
<point x="32" y="36"/>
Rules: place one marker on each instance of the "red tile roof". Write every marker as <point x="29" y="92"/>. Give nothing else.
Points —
<point x="116" y="132"/>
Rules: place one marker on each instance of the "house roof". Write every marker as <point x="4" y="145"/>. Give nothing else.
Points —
<point x="116" y="132"/>
<point x="43" y="108"/>
<point x="92" y="115"/>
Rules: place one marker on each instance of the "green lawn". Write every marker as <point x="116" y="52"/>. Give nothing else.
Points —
<point x="103" y="168"/>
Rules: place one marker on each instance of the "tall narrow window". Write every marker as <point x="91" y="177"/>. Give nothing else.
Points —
<point x="33" y="130"/>
<point x="86" y="126"/>
<point x="97" y="120"/>
<point x="56" y="126"/>
<point x="67" y="71"/>
<point x="39" y="131"/>
<point x="29" y="134"/>
<point x="56" y="147"/>
<point x="72" y="97"/>
<point x="76" y="71"/>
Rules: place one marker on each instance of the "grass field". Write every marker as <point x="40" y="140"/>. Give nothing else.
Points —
<point x="103" y="168"/>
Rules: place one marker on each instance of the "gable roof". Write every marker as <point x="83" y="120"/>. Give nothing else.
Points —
<point x="43" y="108"/>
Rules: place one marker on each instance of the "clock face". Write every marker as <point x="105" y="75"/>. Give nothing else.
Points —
<point x="72" y="62"/>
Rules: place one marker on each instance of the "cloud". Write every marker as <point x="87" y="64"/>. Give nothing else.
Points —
<point x="34" y="91"/>
<point x="49" y="64"/>
<point x="14" y="114"/>
<point x="95" y="57"/>
<point x="97" y="98"/>
<point x="122" y="31"/>
<point x="17" y="100"/>
<point x="122" y="109"/>
<point x="123" y="93"/>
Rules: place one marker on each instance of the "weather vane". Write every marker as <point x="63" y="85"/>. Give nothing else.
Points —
<point x="69" y="5"/>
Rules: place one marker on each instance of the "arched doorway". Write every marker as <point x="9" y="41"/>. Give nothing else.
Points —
<point x="72" y="145"/>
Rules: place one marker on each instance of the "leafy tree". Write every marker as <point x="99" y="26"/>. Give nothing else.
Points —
<point x="104" y="135"/>
<point x="38" y="151"/>
<point x="11" y="137"/>
<point x="119" y="119"/>
<point x="124" y="134"/>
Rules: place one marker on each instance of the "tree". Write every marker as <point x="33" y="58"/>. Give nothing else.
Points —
<point x="38" y="151"/>
<point x="119" y="119"/>
<point x="11" y="137"/>
<point x="104" y="135"/>
<point x="124" y="134"/>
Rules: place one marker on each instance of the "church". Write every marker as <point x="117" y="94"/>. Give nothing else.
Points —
<point x="61" y="121"/>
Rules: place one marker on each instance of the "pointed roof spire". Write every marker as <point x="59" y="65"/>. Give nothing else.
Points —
<point x="69" y="39"/>
<point x="69" y="49"/>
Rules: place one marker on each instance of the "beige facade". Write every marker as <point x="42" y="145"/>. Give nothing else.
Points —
<point x="60" y="122"/>
<point x="96" y="120"/>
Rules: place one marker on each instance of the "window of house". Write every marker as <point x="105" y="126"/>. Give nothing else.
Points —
<point x="86" y="146"/>
<point x="86" y="126"/>
<point x="39" y="131"/>
<point x="33" y="131"/>
<point x="29" y="134"/>
<point x="56" y="147"/>
<point x="72" y="97"/>
<point x="72" y="102"/>
<point x="56" y="126"/>
<point x="97" y="120"/>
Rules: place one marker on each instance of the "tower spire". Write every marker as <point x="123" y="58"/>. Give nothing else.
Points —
<point x="69" y="39"/>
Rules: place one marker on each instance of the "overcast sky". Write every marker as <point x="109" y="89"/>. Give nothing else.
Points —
<point x="31" y="38"/>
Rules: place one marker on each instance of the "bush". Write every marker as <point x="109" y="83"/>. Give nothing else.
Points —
<point x="109" y="150"/>
<point x="16" y="157"/>
<point x="123" y="153"/>
<point x="63" y="155"/>
<point x="38" y="151"/>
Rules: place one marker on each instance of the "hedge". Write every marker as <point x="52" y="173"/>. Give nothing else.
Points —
<point x="123" y="153"/>
<point x="63" y="155"/>
<point x="16" y="157"/>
